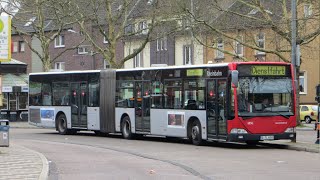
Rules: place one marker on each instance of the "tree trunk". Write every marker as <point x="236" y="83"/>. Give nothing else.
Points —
<point x="46" y="65"/>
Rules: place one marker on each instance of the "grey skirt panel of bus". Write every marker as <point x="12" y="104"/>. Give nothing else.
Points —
<point x="34" y="115"/>
<point x="107" y="100"/>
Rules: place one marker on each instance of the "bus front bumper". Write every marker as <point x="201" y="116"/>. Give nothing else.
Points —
<point x="260" y="137"/>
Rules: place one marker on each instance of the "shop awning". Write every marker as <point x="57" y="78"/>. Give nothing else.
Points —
<point x="10" y="81"/>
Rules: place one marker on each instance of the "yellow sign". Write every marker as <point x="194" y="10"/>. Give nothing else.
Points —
<point x="194" y="72"/>
<point x="5" y="38"/>
<point x="268" y="70"/>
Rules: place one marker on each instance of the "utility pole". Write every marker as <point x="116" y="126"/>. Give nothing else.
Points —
<point x="294" y="49"/>
<point x="294" y="37"/>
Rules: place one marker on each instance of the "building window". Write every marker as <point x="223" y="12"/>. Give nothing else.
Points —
<point x="59" y="41"/>
<point x="220" y="48"/>
<point x="260" y="42"/>
<point x="59" y="65"/>
<point x="12" y="101"/>
<point x="129" y="29"/>
<point x="143" y="27"/>
<point x="4" y="97"/>
<point x="21" y="46"/>
<point x="239" y="47"/>
<point x="137" y="60"/>
<point x="105" y="39"/>
<point x="83" y="50"/>
<point x="162" y="44"/>
<point x="23" y="100"/>
<point x="186" y="23"/>
<point x="187" y="55"/>
<point x="307" y="10"/>
<point x="303" y="82"/>
<point x="15" y="47"/>
<point x="106" y="64"/>
<point x="18" y="46"/>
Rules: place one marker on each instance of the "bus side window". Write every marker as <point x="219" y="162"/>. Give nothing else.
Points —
<point x="173" y="94"/>
<point x="124" y="96"/>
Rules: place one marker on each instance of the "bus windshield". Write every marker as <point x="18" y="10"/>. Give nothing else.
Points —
<point x="265" y="96"/>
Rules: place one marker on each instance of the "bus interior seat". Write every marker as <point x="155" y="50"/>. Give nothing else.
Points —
<point x="191" y="104"/>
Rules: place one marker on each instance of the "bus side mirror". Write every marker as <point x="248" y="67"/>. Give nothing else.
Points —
<point x="234" y="78"/>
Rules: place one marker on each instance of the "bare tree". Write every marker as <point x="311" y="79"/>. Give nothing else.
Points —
<point x="44" y="20"/>
<point x="113" y="21"/>
<point x="245" y="16"/>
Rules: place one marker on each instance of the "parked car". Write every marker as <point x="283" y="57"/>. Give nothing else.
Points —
<point x="308" y="113"/>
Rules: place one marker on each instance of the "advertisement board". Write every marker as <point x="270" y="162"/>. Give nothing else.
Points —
<point x="5" y="38"/>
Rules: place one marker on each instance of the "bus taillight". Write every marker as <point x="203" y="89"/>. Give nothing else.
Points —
<point x="211" y="93"/>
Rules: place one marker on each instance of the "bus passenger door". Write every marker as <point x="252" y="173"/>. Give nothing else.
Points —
<point x="79" y="105"/>
<point x="142" y="106"/>
<point x="216" y="95"/>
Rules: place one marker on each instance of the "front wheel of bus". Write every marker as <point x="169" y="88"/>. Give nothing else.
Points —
<point x="126" y="128"/>
<point x="62" y="124"/>
<point x="196" y="133"/>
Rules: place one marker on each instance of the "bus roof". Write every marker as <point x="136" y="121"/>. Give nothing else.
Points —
<point x="163" y="67"/>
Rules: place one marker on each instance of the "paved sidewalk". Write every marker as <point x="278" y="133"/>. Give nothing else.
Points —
<point x="20" y="163"/>
<point x="17" y="162"/>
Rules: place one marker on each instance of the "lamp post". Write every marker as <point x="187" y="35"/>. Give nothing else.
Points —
<point x="294" y="47"/>
<point x="294" y="36"/>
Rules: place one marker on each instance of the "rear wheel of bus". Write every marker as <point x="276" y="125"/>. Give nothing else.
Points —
<point x="126" y="128"/>
<point x="195" y="133"/>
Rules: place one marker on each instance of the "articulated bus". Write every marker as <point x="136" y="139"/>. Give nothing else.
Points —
<point x="235" y="102"/>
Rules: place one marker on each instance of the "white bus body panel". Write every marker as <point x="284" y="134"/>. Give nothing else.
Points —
<point x="131" y="113"/>
<point x="159" y="121"/>
<point x="50" y="122"/>
<point x="160" y="124"/>
<point x="93" y="118"/>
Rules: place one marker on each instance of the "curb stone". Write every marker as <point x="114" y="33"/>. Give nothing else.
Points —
<point x="45" y="164"/>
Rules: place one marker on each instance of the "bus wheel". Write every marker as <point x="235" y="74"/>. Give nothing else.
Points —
<point x="62" y="124"/>
<point x="196" y="133"/>
<point x="126" y="128"/>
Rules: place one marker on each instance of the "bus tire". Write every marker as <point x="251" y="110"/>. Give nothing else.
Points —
<point x="126" y="128"/>
<point x="62" y="124"/>
<point x="196" y="133"/>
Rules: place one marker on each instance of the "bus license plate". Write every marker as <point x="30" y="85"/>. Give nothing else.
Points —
<point x="266" y="137"/>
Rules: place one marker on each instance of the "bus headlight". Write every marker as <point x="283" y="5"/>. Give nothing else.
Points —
<point x="238" y="131"/>
<point x="290" y="130"/>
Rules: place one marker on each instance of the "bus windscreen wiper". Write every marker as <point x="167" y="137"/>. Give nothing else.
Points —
<point x="283" y="115"/>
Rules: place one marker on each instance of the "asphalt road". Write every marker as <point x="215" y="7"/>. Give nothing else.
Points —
<point x="86" y="156"/>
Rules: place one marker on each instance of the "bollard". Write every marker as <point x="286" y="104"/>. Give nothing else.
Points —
<point x="4" y="133"/>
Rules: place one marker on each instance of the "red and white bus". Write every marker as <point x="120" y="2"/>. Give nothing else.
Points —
<point x="236" y="102"/>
